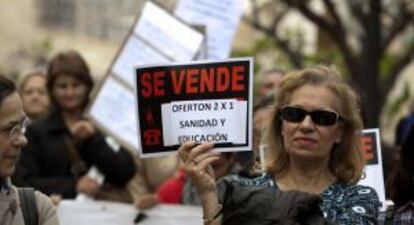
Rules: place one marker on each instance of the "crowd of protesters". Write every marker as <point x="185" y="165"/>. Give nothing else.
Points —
<point x="293" y="110"/>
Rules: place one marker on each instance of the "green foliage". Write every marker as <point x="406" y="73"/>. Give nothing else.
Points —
<point x="385" y="65"/>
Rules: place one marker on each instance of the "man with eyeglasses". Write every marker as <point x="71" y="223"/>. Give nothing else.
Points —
<point x="13" y="122"/>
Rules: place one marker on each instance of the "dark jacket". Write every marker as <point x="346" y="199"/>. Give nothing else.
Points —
<point x="45" y="162"/>
<point x="247" y="205"/>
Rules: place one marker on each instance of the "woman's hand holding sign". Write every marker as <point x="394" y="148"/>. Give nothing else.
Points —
<point x="197" y="160"/>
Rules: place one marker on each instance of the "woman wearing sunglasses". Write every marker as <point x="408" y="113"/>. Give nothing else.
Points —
<point x="313" y="146"/>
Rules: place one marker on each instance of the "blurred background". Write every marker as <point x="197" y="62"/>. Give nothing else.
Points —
<point x="370" y="41"/>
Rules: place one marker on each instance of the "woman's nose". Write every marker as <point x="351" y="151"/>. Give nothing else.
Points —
<point x="307" y="123"/>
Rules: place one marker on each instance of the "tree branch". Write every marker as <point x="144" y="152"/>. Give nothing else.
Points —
<point x="336" y="34"/>
<point x="296" y="58"/>
<point x="356" y="10"/>
<point x="332" y="11"/>
<point x="255" y="13"/>
<point x="303" y="8"/>
<point x="400" y="24"/>
<point x="396" y="69"/>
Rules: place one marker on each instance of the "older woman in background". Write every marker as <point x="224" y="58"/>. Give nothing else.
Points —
<point x="34" y="94"/>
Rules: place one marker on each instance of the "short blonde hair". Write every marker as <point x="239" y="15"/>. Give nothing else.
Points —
<point x="346" y="161"/>
<point x="29" y="75"/>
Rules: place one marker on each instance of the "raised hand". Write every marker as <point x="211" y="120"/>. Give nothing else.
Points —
<point x="82" y="130"/>
<point x="197" y="160"/>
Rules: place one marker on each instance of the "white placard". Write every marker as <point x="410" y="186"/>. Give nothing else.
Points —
<point x="221" y="18"/>
<point x="115" y="106"/>
<point x="135" y="52"/>
<point x="174" y="38"/>
<point x="157" y="37"/>
<point x="374" y="175"/>
<point x="223" y="121"/>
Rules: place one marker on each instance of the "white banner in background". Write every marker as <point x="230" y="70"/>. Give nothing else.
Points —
<point x="114" y="107"/>
<point x="136" y="52"/>
<point x="156" y="37"/>
<point x="170" y="35"/>
<point x="221" y="17"/>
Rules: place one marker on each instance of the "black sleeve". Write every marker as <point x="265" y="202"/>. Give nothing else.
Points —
<point x="399" y="132"/>
<point x="30" y="170"/>
<point x="117" y="166"/>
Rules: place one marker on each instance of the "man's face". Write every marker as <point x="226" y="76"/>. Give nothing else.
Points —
<point x="11" y="139"/>
<point x="270" y="81"/>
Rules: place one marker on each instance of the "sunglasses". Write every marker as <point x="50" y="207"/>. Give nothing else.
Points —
<point x="319" y="117"/>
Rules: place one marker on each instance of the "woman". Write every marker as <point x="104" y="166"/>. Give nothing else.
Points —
<point x="401" y="187"/>
<point x="63" y="146"/>
<point x="313" y="147"/>
<point x="34" y="95"/>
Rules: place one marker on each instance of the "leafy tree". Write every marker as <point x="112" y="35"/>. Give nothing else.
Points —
<point x="364" y="48"/>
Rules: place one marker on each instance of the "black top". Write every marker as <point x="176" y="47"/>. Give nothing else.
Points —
<point x="45" y="162"/>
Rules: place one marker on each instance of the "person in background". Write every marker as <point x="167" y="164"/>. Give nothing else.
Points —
<point x="313" y="152"/>
<point x="34" y="94"/>
<point x="401" y="187"/>
<point x="180" y="190"/>
<point x="13" y="122"/>
<point x="64" y="145"/>
<point x="151" y="174"/>
<point x="269" y="81"/>
<point x="248" y="159"/>
<point x="389" y="157"/>
<point x="404" y="125"/>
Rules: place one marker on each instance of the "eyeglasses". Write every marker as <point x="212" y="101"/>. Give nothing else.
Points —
<point x="319" y="117"/>
<point x="15" y="131"/>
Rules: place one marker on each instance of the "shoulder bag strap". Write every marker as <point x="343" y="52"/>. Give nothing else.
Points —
<point x="28" y="205"/>
<point x="77" y="165"/>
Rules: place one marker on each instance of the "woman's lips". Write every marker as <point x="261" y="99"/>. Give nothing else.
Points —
<point x="305" y="141"/>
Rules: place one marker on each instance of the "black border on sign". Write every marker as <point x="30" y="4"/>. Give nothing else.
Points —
<point x="224" y="147"/>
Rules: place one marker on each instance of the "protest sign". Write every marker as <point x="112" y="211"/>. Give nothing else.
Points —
<point x="221" y="19"/>
<point x="374" y="176"/>
<point x="156" y="37"/>
<point x="208" y="101"/>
